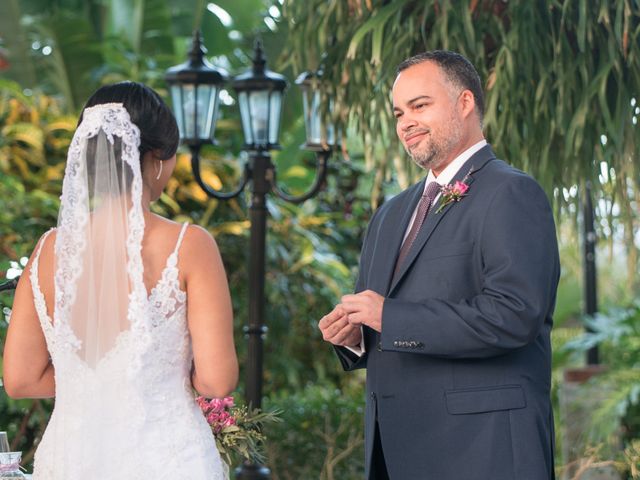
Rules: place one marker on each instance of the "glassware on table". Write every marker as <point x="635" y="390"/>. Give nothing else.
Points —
<point x="4" y="442"/>
<point x="10" y="466"/>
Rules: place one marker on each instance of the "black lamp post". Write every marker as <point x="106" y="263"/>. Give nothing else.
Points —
<point x="589" y="247"/>
<point x="9" y="285"/>
<point x="260" y="93"/>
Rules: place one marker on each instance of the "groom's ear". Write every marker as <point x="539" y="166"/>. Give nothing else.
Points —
<point x="467" y="103"/>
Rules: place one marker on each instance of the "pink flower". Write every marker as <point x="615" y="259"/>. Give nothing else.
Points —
<point x="453" y="193"/>
<point x="460" y="188"/>
<point x="218" y="412"/>
<point x="202" y="403"/>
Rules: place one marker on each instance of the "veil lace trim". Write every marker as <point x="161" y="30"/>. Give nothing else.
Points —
<point x="114" y="120"/>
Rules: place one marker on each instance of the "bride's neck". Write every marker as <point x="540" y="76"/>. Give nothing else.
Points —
<point x="145" y="200"/>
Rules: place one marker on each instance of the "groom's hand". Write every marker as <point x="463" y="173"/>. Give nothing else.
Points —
<point x="336" y="329"/>
<point x="364" y="308"/>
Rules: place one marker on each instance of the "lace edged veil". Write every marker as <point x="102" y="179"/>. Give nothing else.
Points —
<point x="99" y="288"/>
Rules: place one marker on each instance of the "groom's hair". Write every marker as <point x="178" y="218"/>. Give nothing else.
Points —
<point x="457" y="70"/>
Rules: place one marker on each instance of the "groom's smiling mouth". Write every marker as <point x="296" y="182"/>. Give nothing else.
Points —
<point x="413" y="138"/>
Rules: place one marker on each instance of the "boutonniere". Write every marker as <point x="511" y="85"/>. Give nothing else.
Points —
<point x="454" y="192"/>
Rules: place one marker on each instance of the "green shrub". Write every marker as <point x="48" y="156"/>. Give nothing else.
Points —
<point x="321" y="435"/>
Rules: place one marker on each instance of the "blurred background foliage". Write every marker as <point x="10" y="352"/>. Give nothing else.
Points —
<point x="563" y="86"/>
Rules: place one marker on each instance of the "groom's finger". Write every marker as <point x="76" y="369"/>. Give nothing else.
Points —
<point x="332" y="327"/>
<point x="352" y="297"/>
<point x="365" y="317"/>
<point x="336" y="327"/>
<point x="348" y="335"/>
<point x="342" y="335"/>
<point x="357" y="319"/>
<point x="331" y="317"/>
<point x="353" y="304"/>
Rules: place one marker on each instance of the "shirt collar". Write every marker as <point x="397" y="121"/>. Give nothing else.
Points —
<point x="450" y="170"/>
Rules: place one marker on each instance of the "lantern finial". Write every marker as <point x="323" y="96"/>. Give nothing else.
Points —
<point x="197" y="49"/>
<point x="259" y="59"/>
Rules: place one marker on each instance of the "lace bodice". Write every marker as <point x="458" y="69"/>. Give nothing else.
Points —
<point x="133" y="415"/>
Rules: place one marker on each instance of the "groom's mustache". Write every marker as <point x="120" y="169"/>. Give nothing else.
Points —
<point x="415" y="132"/>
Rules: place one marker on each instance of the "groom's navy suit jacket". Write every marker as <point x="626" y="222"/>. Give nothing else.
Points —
<point x="459" y="378"/>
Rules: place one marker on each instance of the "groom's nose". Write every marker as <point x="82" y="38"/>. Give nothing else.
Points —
<point x="404" y="125"/>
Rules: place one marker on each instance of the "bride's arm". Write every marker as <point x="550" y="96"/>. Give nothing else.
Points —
<point x="209" y="315"/>
<point x="27" y="368"/>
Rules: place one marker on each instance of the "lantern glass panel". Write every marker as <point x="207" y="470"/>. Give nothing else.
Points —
<point x="275" y="102"/>
<point x="207" y="105"/>
<point x="317" y="132"/>
<point x="259" y="110"/>
<point x="245" y="116"/>
<point x="189" y="107"/>
<point x="176" y="98"/>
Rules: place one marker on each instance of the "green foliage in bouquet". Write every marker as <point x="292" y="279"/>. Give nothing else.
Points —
<point x="237" y="429"/>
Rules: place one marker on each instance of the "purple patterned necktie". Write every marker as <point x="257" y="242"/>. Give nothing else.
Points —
<point x="424" y="206"/>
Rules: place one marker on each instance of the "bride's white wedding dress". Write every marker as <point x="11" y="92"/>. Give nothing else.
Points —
<point x="124" y="406"/>
<point x="133" y="415"/>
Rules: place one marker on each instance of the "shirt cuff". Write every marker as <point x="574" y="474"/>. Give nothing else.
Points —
<point x="358" y="350"/>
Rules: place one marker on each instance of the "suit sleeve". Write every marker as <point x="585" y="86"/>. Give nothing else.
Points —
<point x="520" y="271"/>
<point x="348" y="359"/>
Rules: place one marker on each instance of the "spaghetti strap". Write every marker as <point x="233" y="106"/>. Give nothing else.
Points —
<point x="36" y="259"/>
<point x="180" y="237"/>
<point x="38" y="296"/>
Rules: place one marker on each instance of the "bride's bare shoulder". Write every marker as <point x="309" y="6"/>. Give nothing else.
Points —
<point x="199" y="253"/>
<point x="199" y="239"/>
<point x="46" y="243"/>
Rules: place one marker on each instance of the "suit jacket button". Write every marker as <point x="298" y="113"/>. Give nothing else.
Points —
<point x="396" y="343"/>
<point x="379" y="346"/>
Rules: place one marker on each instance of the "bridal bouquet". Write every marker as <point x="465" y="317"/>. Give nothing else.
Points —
<point x="237" y="429"/>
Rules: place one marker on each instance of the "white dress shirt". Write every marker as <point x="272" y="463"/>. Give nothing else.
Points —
<point x="444" y="178"/>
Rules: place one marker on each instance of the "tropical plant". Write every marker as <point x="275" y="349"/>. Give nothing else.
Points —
<point x="33" y="144"/>
<point x="546" y="67"/>
<point x="561" y="85"/>
<point x="306" y="269"/>
<point x="617" y="334"/>
<point x="616" y="418"/>
<point x="320" y="435"/>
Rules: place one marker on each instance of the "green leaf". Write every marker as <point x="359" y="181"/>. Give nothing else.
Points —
<point x="376" y="21"/>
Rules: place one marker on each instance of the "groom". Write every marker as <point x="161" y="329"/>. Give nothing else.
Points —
<point x="453" y="304"/>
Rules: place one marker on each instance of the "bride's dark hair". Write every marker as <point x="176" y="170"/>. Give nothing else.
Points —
<point x="158" y="127"/>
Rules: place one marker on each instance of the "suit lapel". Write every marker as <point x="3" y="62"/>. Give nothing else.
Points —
<point x="475" y="163"/>
<point x="391" y="236"/>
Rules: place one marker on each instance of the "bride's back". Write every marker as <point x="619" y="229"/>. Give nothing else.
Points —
<point x="138" y="393"/>
<point x="101" y="319"/>
<point x="159" y="241"/>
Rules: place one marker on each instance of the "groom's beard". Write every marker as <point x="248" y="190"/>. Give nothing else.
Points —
<point x="434" y="150"/>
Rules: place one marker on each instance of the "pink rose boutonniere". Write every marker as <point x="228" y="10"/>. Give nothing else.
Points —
<point x="453" y="193"/>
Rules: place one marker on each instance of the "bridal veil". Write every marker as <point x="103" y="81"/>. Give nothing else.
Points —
<point x="99" y="288"/>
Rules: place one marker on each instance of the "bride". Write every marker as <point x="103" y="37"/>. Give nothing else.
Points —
<point x="120" y="314"/>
